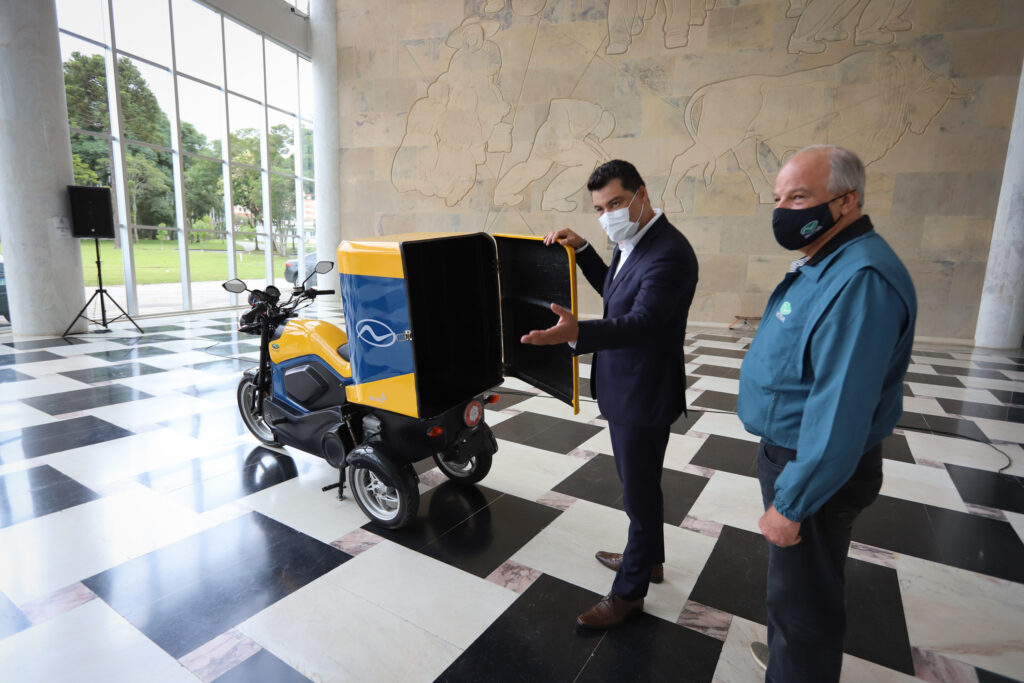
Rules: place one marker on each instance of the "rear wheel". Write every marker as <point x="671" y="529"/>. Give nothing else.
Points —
<point x="247" y="399"/>
<point x="391" y="505"/>
<point x="469" y="472"/>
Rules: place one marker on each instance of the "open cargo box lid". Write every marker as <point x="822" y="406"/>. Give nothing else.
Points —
<point x="471" y="297"/>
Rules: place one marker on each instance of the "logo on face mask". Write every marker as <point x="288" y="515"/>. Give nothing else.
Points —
<point x="810" y="228"/>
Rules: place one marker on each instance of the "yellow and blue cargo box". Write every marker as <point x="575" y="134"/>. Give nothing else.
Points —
<point x="434" y="319"/>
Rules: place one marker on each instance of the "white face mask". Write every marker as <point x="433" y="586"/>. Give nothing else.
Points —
<point x="617" y="224"/>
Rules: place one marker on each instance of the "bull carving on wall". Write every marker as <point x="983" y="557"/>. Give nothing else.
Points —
<point x="866" y="102"/>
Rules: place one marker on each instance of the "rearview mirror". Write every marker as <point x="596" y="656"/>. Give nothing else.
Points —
<point x="235" y="286"/>
<point x="323" y="267"/>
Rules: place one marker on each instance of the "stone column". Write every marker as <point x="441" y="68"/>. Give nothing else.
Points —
<point x="43" y="263"/>
<point x="1001" y="315"/>
<point x="326" y="139"/>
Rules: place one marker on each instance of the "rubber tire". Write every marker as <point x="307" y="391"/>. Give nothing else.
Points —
<point x="479" y="471"/>
<point x="246" y="413"/>
<point x="406" y="488"/>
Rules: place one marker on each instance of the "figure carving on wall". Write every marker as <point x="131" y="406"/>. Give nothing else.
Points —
<point x="524" y="8"/>
<point x="626" y="19"/>
<point x="571" y="136"/>
<point x="867" y="101"/>
<point x="825" y="21"/>
<point x="449" y="131"/>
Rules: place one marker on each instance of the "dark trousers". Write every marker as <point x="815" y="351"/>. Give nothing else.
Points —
<point x="806" y="606"/>
<point x="639" y="455"/>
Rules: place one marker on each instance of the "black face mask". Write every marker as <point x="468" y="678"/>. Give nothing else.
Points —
<point x="795" y="228"/>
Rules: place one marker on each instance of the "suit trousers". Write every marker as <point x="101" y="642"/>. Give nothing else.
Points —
<point x="806" y="602"/>
<point x="639" y="455"/>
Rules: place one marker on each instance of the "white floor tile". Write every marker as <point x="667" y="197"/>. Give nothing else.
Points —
<point x="50" y="552"/>
<point x="723" y="424"/>
<point x="997" y="430"/>
<point x="920" y="483"/>
<point x="50" y="384"/>
<point x="89" y="643"/>
<point x="329" y="634"/>
<point x="438" y="598"/>
<point x="528" y="472"/>
<point x="957" y="451"/>
<point x="728" y="386"/>
<point x="730" y="499"/>
<point x="956" y="393"/>
<point x="15" y="415"/>
<point x="566" y="547"/>
<point x="963" y="615"/>
<point x="135" y="415"/>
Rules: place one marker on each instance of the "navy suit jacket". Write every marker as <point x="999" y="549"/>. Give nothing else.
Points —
<point x="638" y="375"/>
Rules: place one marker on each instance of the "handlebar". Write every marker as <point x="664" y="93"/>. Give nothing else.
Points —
<point x="265" y="309"/>
<point x="318" y="292"/>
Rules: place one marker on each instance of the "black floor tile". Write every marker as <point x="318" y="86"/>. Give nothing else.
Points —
<point x="8" y="375"/>
<point x="734" y="579"/>
<point x="685" y="422"/>
<point x="11" y="618"/>
<point x="29" y="357"/>
<point x="907" y="391"/>
<point x="535" y="639"/>
<point x="989" y="677"/>
<point x="215" y="480"/>
<point x="63" y="435"/>
<point x="84" y="399"/>
<point x="185" y="594"/>
<point x="969" y="372"/>
<point x="441" y="509"/>
<point x="133" y="353"/>
<point x="728" y="339"/>
<point x="988" y="411"/>
<point x="227" y="366"/>
<point x="652" y="649"/>
<point x="228" y="384"/>
<point x="951" y="426"/>
<point x="717" y="371"/>
<point x="689" y="358"/>
<point x="38" y="491"/>
<point x="713" y="351"/>
<point x="598" y="482"/>
<point x="227" y="336"/>
<point x="716" y="400"/>
<point x="545" y="432"/>
<point x="899" y="525"/>
<point x="913" y="421"/>
<point x="895" y="447"/>
<point x="262" y="667"/>
<point x="1014" y="397"/>
<point x="876" y="626"/>
<point x="584" y="388"/>
<point x="484" y="541"/>
<point x="163" y="328"/>
<point x="111" y="372"/>
<point x="221" y="327"/>
<point x="216" y="424"/>
<point x="932" y="354"/>
<point x="991" y="489"/>
<point x="940" y="380"/>
<point x="978" y="544"/>
<point x="45" y="343"/>
<point x="728" y="455"/>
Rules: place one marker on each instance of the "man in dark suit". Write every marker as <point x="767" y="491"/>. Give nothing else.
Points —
<point x="637" y="375"/>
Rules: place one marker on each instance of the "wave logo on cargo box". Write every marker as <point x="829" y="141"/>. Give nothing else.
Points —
<point x="375" y="333"/>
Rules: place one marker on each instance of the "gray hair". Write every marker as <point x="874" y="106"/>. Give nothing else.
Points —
<point x="846" y="171"/>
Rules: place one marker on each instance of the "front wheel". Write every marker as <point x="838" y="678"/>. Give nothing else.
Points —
<point x="247" y="395"/>
<point x="390" y="505"/>
<point x="469" y="472"/>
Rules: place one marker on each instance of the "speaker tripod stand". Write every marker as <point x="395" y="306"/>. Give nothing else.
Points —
<point x="103" y="295"/>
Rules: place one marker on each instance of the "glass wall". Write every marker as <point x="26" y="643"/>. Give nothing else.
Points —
<point x="203" y="130"/>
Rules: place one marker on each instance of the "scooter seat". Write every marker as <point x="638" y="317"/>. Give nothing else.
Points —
<point x="343" y="352"/>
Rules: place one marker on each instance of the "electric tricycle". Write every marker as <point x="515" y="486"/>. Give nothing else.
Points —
<point x="433" y="322"/>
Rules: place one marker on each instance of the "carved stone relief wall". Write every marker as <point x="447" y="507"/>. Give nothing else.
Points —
<point x="468" y="115"/>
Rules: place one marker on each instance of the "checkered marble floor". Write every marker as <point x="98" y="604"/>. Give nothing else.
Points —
<point x="145" y="535"/>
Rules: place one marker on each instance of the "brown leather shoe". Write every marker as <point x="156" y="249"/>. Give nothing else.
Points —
<point x="614" y="560"/>
<point x="610" y="612"/>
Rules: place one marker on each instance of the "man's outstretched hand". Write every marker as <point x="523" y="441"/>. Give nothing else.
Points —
<point x="567" y="329"/>
<point x="565" y="237"/>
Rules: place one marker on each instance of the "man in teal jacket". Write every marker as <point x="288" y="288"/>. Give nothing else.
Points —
<point x="822" y="385"/>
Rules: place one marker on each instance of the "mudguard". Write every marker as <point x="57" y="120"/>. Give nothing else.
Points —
<point x="374" y="456"/>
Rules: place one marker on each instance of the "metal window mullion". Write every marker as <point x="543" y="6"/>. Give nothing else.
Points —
<point x="150" y="145"/>
<point x="120" y="164"/>
<point x="300" y="213"/>
<point x="225" y="154"/>
<point x="177" y="167"/>
<point x="81" y="131"/>
<point x="268" y="240"/>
